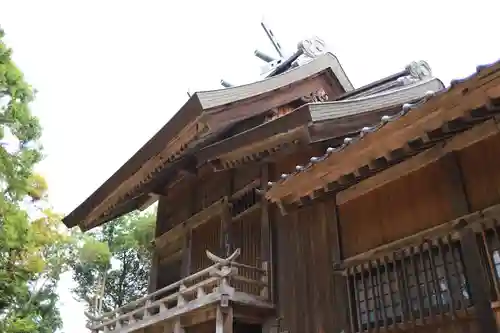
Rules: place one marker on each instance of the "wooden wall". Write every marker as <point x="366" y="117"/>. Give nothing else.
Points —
<point x="413" y="203"/>
<point x="307" y="288"/>
<point x="422" y="199"/>
<point x="196" y="193"/>
<point x="480" y="165"/>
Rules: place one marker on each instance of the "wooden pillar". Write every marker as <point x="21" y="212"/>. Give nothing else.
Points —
<point x="265" y="234"/>
<point x="224" y="320"/>
<point x="225" y="239"/>
<point x="186" y="254"/>
<point x="477" y="282"/>
<point x="330" y="213"/>
<point x="475" y="273"/>
<point x="264" y="217"/>
<point x="153" y="273"/>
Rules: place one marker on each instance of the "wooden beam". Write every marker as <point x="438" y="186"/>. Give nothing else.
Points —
<point x="460" y="141"/>
<point x="191" y="223"/>
<point x="171" y="147"/>
<point x="252" y="136"/>
<point x="430" y="116"/>
<point x="479" y="288"/>
<point x="177" y="255"/>
<point x="300" y="133"/>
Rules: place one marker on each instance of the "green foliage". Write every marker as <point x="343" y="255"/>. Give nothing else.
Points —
<point x="119" y="253"/>
<point x="33" y="249"/>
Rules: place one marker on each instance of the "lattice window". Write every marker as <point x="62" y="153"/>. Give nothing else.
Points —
<point x="415" y="283"/>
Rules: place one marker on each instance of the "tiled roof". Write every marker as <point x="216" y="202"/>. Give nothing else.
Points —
<point x="366" y="131"/>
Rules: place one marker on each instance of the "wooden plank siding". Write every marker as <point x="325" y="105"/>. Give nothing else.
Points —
<point x="458" y="184"/>
<point x="305" y="283"/>
<point x="480" y="168"/>
<point x="399" y="209"/>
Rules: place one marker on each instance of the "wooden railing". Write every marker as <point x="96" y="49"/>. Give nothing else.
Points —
<point x="208" y="286"/>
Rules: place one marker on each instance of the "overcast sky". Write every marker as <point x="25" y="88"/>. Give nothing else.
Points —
<point x="110" y="73"/>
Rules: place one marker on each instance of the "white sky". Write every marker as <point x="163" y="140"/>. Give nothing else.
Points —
<point x="110" y="73"/>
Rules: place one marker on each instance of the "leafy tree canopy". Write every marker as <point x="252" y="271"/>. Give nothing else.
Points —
<point x="34" y="249"/>
<point x="114" y="261"/>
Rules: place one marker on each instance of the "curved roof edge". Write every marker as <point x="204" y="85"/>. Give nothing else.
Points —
<point x="217" y="98"/>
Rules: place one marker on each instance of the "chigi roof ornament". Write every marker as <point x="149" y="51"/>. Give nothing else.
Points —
<point x="307" y="50"/>
<point x="419" y="69"/>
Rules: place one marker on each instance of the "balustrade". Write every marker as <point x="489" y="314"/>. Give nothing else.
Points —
<point x="212" y="285"/>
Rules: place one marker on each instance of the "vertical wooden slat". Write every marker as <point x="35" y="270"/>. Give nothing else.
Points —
<point x="475" y="276"/>
<point x="391" y="294"/>
<point x="353" y="272"/>
<point x="435" y="280"/>
<point x="417" y="284"/>
<point x="489" y="256"/>
<point x="365" y="296"/>
<point x="400" y="290"/>
<point x="427" y="282"/>
<point x="406" y="287"/>
<point x="462" y="301"/>
<point x="372" y="287"/>
<point x="349" y="301"/>
<point x="381" y="292"/>
<point x="442" y="254"/>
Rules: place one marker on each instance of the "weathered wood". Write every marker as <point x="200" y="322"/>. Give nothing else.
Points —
<point x="432" y="115"/>
<point x="255" y="208"/>
<point x="172" y="257"/>
<point x="453" y="226"/>
<point x="253" y="184"/>
<point x="153" y="273"/>
<point x="245" y="110"/>
<point x="458" y="195"/>
<point x="332" y="223"/>
<point x="224" y="320"/>
<point x="477" y="282"/>
<point x="255" y="135"/>
<point x="328" y="211"/>
<point x="265" y="230"/>
<point x="299" y="134"/>
<point x="169" y="149"/>
<point x="191" y="223"/>
<point x="186" y="254"/>
<point x="225" y="239"/>
<point x="460" y="141"/>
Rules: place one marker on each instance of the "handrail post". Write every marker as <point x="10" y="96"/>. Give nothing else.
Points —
<point x="180" y="298"/>
<point x="264" y="292"/>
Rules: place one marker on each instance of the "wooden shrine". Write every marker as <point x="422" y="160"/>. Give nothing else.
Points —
<point x="292" y="204"/>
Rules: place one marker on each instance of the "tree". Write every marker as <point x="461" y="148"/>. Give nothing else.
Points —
<point x="117" y="257"/>
<point x="33" y="249"/>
